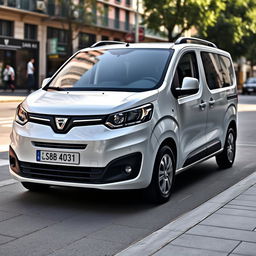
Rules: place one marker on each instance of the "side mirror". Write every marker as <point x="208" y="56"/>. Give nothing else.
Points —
<point x="189" y="86"/>
<point x="46" y="81"/>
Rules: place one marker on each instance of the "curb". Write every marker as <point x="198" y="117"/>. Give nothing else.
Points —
<point x="158" y="239"/>
<point x="15" y="99"/>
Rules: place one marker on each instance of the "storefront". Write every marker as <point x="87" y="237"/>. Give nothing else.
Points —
<point x="17" y="53"/>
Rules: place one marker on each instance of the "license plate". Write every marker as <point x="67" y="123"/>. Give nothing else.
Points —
<point x="250" y="89"/>
<point x="57" y="157"/>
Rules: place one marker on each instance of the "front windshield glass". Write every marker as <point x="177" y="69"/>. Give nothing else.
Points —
<point x="117" y="69"/>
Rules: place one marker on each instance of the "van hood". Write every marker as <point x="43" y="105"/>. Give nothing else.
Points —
<point x="85" y="102"/>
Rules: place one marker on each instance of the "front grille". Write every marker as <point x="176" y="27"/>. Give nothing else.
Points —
<point x="71" y="122"/>
<point x="59" y="145"/>
<point x="61" y="172"/>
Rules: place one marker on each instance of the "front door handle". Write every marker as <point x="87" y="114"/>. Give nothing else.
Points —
<point x="211" y="102"/>
<point x="202" y="105"/>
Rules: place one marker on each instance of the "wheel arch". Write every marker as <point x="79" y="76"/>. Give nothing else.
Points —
<point x="233" y="125"/>
<point x="172" y="144"/>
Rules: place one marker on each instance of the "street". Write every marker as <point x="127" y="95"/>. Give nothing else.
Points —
<point x="87" y="222"/>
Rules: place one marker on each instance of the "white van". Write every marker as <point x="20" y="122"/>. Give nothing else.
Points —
<point x="128" y="116"/>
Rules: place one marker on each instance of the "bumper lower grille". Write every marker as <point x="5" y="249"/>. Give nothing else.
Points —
<point x="61" y="173"/>
<point x="113" y="172"/>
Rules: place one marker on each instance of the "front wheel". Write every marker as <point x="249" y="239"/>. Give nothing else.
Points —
<point x="160" y="188"/>
<point x="226" y="158"/>
<point x="35" y="187"/>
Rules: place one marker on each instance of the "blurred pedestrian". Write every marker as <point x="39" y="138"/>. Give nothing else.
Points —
<point x="9" y="78"/>
<point x="30" y="74"/>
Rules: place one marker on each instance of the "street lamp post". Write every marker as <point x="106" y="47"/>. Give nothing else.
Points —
<point x="137" y="22"/>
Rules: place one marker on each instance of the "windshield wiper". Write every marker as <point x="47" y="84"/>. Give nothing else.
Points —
<point x="55" y="88"/>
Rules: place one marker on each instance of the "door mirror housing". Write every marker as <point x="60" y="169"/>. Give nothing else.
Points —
<point x="45" y="81"/>
<point x="189" y="86"/>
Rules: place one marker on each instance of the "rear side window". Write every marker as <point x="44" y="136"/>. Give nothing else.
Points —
<point x="227" y="71"/>
<point x="218" y="70"/>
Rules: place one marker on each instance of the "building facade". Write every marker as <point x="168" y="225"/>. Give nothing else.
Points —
<point x="39" y="29"/>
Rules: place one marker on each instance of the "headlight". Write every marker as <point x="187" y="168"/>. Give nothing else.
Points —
<point x="130" y="117"/>
<point x="21" y="115"/>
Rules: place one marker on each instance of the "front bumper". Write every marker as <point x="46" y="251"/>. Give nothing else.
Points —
<point x="104" y="147"/>
<point x="249" y="89"/>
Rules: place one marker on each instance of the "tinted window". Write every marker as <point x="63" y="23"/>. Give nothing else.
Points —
<point x="212" y="70"/>
<point x="227" y="71"/>
<point x="218" y="70"/>
<point x="117" y="69"/>
<point x="187" y="67"/>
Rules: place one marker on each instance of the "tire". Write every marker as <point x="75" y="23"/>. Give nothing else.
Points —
<point x="161" y="186"/>
<point x="226" y="158"/>
<point x="35" y="187"/>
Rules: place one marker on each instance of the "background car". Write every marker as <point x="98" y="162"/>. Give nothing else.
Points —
<point x="249" y="85"/>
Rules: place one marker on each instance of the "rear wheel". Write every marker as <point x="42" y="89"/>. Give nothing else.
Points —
<point x="227" y="156"/>
<point x="160" y="188"/>
<point x="35" y="187"/>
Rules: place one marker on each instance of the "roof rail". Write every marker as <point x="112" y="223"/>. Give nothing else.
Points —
<point x="101" y="43"/>
<point x="194" y="40"/>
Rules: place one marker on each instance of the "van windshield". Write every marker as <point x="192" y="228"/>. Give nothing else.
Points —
<point x="116" y="70"/>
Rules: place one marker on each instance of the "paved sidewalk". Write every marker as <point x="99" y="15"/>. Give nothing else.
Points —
<point x="16" y="96"/>
<point x="224" y="225"/>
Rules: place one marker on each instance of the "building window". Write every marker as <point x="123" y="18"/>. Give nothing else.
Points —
<point x="51" y="7"/>
<point x="60" y="34"/>
<point x="117" y="17"/>
<point x="11" y="3"/>
<point x="127" y="20"/>
<point x="105" y="15"/>
<point x="30" y="32"/>
<point x="86" y="40"/>
<point x="128" y="2"/>
<point x="104" y="38"/>
<point x="57" y="49"/>
<point x="118" y="1"/>
<point x="6" y="28"/>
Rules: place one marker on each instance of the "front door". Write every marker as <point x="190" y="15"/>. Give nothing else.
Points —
<point x="192" y="111"/>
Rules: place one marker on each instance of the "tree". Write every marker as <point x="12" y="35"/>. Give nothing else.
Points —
<point x="235" y="28"/>
<point x="185" y="14"/>
<point x="73" y="15"/>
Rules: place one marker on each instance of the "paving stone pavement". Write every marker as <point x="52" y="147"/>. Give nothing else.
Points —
<point x="225" y="225"/>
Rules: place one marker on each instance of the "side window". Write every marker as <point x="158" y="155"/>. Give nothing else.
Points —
<point x="218" y="70"/>
<point x="227" y="71"/>
<point x="187" y="67"/>
<point x="212" y="69"/>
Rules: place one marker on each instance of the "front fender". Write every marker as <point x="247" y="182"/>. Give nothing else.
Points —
<point x="166" y="128"/>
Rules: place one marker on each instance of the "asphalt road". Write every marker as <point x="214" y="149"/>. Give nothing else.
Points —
<point x="85" y="222"/>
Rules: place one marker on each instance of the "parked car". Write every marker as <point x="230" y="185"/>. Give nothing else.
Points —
<point x="122" y="116"/>
<point x="249" y="85"/>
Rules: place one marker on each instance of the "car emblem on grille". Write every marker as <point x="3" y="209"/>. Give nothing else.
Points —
<point x="60" y="122"/>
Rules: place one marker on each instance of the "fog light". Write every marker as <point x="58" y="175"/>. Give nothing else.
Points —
<point x="128" y="169"/>
<point x="14" y="164"/>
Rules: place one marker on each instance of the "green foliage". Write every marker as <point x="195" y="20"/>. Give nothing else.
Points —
<point x="235" y="28"/>
<point x="183" y="13"/>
